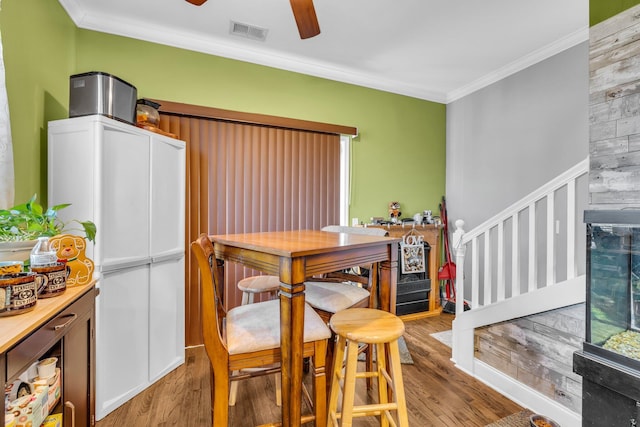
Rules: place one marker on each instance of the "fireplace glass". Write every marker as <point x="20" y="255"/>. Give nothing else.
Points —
<point x="613" y="285"/>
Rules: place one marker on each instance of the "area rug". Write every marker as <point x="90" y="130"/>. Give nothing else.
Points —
<point x="519" y="419"/>
<point x="405" y="355"/>
<point x="445" y="337"/>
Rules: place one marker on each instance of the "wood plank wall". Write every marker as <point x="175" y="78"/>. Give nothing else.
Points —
<point x="614" y="112"/>
<point x="538" y="351"/>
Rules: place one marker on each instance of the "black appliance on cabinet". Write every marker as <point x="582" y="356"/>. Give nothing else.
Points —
<point x="609" y="362"/>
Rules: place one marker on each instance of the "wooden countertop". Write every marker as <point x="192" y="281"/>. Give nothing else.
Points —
<point x="14" y="328"/>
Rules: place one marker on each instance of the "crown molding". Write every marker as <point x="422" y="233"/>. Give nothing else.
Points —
<point x="74" y="10"/>
<point x="526" y="61"/>
<point x="141" y="30"/>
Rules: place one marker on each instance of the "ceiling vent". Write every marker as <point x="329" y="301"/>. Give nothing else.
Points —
<point x="248" y="31"/>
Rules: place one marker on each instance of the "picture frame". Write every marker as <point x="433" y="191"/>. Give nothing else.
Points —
<point x="412" y="257"/>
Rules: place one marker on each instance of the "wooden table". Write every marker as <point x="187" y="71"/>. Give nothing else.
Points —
<point x="294" y="256"/>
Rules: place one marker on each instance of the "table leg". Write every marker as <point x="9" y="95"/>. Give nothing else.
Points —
<point x="291" y="343"/>
<point x="388" y="280"/>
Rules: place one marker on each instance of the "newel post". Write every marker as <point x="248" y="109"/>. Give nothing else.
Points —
<point x="460" y="338"/>
<point x="460" y="250"/>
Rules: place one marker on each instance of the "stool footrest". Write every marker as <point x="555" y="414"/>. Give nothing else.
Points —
<point x="360" y="375"/>
<point x="386" y="376"/>
<point x="366" y="374"/>
<point x="374" y="409"/>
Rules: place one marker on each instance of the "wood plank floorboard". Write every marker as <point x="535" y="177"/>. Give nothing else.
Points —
<point x="438" y="394"/>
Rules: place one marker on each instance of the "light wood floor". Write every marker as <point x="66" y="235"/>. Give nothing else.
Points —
<point x="438" y="394"/>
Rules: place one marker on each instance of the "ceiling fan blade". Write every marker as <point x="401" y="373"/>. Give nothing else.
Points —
<point x="306" y="18"/>
<point x="197" y="2"/>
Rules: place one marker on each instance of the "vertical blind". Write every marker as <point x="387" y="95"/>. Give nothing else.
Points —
<point x="250" y="178"/>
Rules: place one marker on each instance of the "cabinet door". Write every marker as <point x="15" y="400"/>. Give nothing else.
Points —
<point x="166" y="317"/>
<point x="122" y="337"/>
<point x="167" y="195"/>
<point x="3" y="380"/>
<point x="124" y="202"/>
<point x="78" y="366"/>
<point x="71" y="166"/>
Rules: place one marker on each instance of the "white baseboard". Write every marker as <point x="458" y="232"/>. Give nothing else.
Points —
<point x="520" y="393"/>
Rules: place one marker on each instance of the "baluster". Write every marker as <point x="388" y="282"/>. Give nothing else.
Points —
<point x="475" y="273"/>
<point x="533" y="271"/>
<point x="572" y="268"/>
<point x="515" y="257"/>
<point x="500" y="263"/>
<point x="551" y="239"/>
<point x="486" y="283"/>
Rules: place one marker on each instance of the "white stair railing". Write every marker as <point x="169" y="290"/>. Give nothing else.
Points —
<point x="514" y="270"/>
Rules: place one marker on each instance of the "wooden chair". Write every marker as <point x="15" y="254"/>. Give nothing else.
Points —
<point x="344" y="289"/>
<point x="248" y="336"/>
<point x="341" y="290"/>
<point x="250" y="287"/>
<point x="356" y="230"/>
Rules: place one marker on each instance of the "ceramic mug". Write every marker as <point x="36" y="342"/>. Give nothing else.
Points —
<point x="47" y="368"/>
<point x="19" y="292"/>
<point x="54" y="277"/>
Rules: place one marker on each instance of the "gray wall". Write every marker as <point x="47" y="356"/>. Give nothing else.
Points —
<point x="503" y="142"/>
<point x="511" y="137"/>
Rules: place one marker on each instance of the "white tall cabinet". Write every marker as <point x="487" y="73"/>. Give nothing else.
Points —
<point x="131" y="183"/>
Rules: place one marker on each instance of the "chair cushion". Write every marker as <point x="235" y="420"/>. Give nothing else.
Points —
<point x="258" y="284"/>
<point x="333" y="296"/>
<point x="255" y="327"/>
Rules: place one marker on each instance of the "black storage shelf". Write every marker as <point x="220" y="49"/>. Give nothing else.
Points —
<point x="412" y="293"/>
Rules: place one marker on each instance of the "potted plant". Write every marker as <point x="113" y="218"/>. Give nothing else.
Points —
<point x="21" y="225"/>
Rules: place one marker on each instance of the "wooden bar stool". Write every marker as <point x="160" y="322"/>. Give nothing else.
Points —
<point x="374" y="327"/>
<point x="250" y="286"/>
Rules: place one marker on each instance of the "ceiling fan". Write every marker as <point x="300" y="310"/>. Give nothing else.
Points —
<point x="303" y="12"/>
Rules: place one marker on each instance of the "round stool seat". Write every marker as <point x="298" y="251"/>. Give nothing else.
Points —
<point x="367" y="325"/>
<point x="259" y="284"/>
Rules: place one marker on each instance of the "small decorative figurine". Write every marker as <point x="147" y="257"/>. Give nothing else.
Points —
<point x="427" y="217"/>
<point x="394" y="211"/>
<point x="70" y="249"/>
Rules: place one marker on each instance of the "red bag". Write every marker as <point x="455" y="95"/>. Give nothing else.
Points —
<point x="447" y="271"/>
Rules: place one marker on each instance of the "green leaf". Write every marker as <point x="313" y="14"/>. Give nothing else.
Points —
<point x="36" y="208"/>
<point x="28" y="221"/>
<point x="90" y="230"/>
<point x="58" y="207"/>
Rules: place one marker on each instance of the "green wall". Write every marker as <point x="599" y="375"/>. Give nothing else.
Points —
<point x="398" y="155"/>
<point x="38" y="41"/>
<point x="600" y="10"/>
